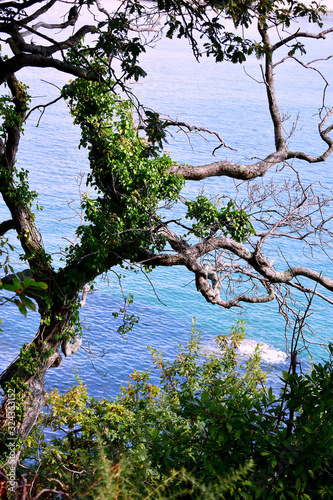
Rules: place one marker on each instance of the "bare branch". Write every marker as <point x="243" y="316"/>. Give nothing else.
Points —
<point x="229" y="168"/>
<point x="192" y="128"/>
<point x="280" y="142"/>
<point x="42" y="108"/>
<point x="18" y="44"/>
<point x="301" y="34"/>
<point x="103" y="9"/>
<point x="40" y="11"/>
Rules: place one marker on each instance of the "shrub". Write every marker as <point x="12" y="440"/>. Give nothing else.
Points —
<point x="209" y="429"/>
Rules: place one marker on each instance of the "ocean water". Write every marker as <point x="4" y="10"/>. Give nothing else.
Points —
<point x="222" y="97"/>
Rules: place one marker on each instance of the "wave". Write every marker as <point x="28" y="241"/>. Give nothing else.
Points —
<point x="269" y="354"/>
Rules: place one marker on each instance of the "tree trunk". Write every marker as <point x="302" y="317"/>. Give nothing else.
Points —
<point x="24" y="381"/>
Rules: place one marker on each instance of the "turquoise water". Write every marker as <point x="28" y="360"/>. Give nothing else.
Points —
<point x="221" y="97"/>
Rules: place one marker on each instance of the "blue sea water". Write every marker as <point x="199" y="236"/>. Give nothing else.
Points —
<point x="222" y="97"/>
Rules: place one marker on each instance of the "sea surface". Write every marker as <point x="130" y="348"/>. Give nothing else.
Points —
<point x="223" y="97"/>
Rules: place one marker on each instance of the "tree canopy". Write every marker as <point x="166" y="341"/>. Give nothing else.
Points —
<point x="133" y="179"/>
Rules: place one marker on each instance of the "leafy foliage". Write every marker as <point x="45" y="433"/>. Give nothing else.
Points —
<point x="205" y="416"/>
<point x="210" y="219"/>
<point x="130" y="184"/>
<point x="186" y="19"/>
<point x="20" y="289"/>
<point x="209" y="429"/>
<point x="8" y="111"/>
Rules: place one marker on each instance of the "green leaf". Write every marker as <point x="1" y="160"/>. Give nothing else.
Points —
<point x="311" y="474"/>
<point x="204" y="397"/>
<point x="40" y="284"/>
<point x="238" y="434"/>
<point x="30" y="283"/>
<point x="28" y="303"/>
<point x="9" y="288"/>
<point x="17" y="284"/>
<point x="154" y="433"/>
<point x="21" y="307"/>
<point x="271" y="396"/>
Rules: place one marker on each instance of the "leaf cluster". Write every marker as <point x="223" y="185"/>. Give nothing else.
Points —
<point x="115" y="43"/>
<point x="8" y="112"/>
<point x="20" y="289"/>
<point x="210" y="219"/>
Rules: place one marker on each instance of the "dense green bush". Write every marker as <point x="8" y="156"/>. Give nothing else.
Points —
<point x="209" y="430"/>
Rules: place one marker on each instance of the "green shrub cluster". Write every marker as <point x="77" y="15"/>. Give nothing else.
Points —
<point x="210" y="429"/>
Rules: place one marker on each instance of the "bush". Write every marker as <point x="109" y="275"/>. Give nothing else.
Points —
<point x="209" y="430"/>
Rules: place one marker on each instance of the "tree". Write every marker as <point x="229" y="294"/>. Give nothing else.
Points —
<point x="133" y="178"/>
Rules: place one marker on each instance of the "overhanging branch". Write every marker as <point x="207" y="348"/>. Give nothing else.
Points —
<point x="6" y="226"/>
<point x="229" y="168"/>
<point x="14" y="64"/>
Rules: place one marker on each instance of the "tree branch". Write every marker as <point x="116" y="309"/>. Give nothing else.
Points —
<point x="301" y="34"/>
<point x="40" y="11"/>
<point x="6" y="226"/>
<point x="192" y="128"/>
<point x="22" y="275"/>
<point x="20" y="61"/>
<point x="20" y="212"/>
<point x="229" y="168"/>
<point x="19" y="5"/>
<point x="18" y="44"/>
<point x="280" y="142"/>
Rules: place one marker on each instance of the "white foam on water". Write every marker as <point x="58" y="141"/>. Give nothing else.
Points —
<point x="269" y="354"/>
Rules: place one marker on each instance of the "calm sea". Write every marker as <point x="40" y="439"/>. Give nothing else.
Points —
<point x="223" y="97"/>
